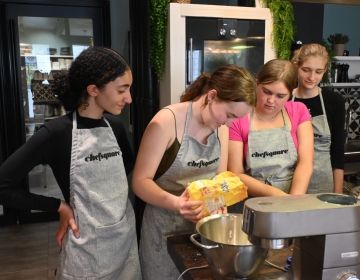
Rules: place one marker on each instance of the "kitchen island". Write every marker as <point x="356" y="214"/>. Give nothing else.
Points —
<point x="186" y="255"/>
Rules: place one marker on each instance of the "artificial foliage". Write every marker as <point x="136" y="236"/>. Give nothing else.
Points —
<point x="283" y="27"/>
<point x="158" y="28"/>
<point x="283" y="30"/>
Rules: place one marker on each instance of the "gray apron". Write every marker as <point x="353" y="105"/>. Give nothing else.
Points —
<point x="194" y="161"/>
<point x="322" y="178"/>
<point x="107" y="247"/>
<point x="272" y="156"/>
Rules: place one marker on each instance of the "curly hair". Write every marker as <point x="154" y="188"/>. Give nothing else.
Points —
<point x="232" y="83"/>
<point x="94" y="66"/>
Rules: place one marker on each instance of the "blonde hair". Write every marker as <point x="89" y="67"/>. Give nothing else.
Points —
<point x="307" y="50"/>
<point x="278" y="70"/>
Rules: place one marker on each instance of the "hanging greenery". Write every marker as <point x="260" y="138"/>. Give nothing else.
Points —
<point x="158" y="28"/>
<point x="283" y="30"/>
<point x="283" y="27"/>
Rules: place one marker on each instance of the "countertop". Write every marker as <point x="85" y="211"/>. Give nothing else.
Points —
<point x="186" y="255"/>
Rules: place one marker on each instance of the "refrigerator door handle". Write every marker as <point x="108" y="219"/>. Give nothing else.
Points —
<point x="190" y="61"/>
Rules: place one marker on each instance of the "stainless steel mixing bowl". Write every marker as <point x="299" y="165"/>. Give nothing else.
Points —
<point x="226" y="247"/>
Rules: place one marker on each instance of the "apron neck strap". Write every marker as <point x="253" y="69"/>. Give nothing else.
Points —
<point x="74" y="120"/>
<point x="188" y="117"/>
<point x="322" y="105"/>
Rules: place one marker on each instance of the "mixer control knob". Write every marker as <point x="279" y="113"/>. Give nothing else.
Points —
<point x="348" y="276"/>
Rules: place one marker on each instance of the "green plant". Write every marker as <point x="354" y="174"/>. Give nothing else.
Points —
<point x="283" y="30"/>
<point x="338" y="38"/>
<point x="158" y="28"/>
<point x="283" y="27"/>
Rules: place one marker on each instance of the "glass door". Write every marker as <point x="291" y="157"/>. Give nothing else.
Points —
<point x="213" y="42"/>
<point x="47" y="45"/>
<point x="37" y="41"/>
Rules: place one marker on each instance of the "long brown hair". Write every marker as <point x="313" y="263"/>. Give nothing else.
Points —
<point x="278" y="70"/>
<point x="232" y="83"/>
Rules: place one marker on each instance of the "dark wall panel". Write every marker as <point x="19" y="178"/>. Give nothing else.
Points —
<point x="309" y="19"/>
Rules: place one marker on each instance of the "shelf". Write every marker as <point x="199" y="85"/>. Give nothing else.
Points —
<point x="51" y="118"/>
<point x="38" y="122"/>
<point x="345" y="84"/>
<point x="347" y="58"/>
<point x="51" y="56"/>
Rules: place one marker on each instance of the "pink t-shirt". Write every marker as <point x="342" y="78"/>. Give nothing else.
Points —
<point x="297" y="111"/>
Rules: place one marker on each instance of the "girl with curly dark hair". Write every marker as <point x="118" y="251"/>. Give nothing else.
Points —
<point x="86" y="152"/>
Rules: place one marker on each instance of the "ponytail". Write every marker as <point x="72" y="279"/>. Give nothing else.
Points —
<point x="196" y="89"/>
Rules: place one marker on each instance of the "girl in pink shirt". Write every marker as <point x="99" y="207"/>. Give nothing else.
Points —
<point x="271" y="148"/>
<point x="297" y="113"/>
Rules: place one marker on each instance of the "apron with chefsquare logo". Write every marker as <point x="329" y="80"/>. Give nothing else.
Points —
<point x="107" y="247"/>
<point x="193" y="161"/>
<point x="322" y="177"/>
<point x="272" y="155"/>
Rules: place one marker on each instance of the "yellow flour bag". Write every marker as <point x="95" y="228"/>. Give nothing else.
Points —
<point x="223" y="190"/>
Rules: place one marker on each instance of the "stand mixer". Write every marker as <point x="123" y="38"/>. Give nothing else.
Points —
<point x="325" y="229"/>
